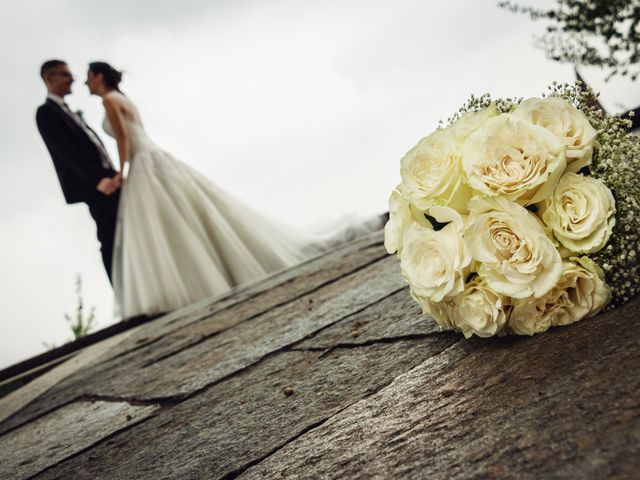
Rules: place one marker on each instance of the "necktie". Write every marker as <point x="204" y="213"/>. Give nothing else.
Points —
<point x="104" y="156"/>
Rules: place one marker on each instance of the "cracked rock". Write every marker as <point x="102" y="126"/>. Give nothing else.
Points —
<point x="330" y="370"/>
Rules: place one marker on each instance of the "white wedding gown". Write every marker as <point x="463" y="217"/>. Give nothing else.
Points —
<point x="180" y="238"/>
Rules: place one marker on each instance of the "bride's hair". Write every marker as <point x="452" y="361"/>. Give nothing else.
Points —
<point x="112" y="77"/>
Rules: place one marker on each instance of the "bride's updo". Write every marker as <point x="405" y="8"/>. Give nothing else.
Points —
<point x="112" y="77"/>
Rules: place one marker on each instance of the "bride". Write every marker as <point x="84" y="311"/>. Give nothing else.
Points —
<point x="180" y="238"/>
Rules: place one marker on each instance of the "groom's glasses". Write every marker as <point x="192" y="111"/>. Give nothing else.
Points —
<point x="62" y="74"/>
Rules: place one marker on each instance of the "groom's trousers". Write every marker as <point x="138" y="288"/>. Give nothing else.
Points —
<point x="104" y="210"/>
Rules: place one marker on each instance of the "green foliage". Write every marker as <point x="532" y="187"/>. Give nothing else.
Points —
<point x="80" y="326"/>
<point x="601" y="33"/>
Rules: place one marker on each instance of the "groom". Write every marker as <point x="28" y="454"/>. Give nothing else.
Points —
<point x="80" y="159"/>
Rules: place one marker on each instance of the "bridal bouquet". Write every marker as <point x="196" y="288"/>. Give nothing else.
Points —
<point x="517" y="216"/>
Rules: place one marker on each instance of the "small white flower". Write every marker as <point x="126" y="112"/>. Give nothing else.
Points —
<point x="435" y="263"/>
<point x="513" y="158"/>
<point x="516" y="257"/>
<point x="581" y="213"/>
<point x="569" y="124"/>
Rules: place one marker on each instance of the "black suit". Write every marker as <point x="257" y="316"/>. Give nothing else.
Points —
<point x="79" y="165"/>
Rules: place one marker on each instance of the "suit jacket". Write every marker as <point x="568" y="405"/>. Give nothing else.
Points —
<point x="76" y="158"/>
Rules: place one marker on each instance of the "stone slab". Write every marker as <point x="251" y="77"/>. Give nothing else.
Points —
<point x="564" y="404"/>
<point x="252" y="299"/>
<point x="236" y="348"/>
<point x="234" y="424"/>
<point x="180" y="330"/>
<point x="73" y="428"/>
<point x="396" y="316"/>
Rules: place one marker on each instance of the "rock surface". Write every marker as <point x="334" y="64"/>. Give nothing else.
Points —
<point x="68" y="430"/>
<point x="329" y="370"/>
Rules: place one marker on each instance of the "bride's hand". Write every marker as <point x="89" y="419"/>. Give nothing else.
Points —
<point x="118" y="178"/>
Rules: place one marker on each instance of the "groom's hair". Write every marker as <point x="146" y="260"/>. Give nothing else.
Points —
<point x="48" y="65"/>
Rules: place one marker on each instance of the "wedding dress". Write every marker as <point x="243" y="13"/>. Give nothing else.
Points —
<point x="180" y="238"/>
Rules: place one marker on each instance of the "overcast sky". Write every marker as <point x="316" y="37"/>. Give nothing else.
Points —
<point x="301" y="108"/>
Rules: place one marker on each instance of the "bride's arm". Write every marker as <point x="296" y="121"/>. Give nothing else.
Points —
<point x="116" y="119"/>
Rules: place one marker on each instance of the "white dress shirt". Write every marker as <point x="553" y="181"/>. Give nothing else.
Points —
<point x="104" y="156"/>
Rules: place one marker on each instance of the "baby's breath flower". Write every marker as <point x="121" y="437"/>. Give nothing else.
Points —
<point x="616" y="161"/>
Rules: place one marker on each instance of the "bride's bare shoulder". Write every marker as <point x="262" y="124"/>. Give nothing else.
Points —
<point x="117" y="100"/>
<point x="114" y="98"/>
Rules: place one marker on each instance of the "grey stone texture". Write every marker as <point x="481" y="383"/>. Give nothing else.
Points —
<point x="330" y="370"/>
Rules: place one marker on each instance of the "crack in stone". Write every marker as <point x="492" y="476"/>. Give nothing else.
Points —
<point x="134" y="402"/>
<point x="366" y="307"/>
<point x="172" y="401"/>
<point x="284" y="348"/>
<point x="162" y="402"/>
<point x="212" y="311"/>
<point x="176" y="399"/>
<point x="93" y="445"/>
<point x="258" y="314"/>
<point x="239" y="471"/>
<point x="140" y="345"/>
<point x="189" y="345"/>
<point x="33" y="419"/>
<point x="259" y="293"/>
<point x="246" y="466"/>
<point x="74" y="399"/>
<point x="367" y="343"/>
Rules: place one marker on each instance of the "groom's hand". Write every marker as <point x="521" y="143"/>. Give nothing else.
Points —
<point x="107" y="186"/>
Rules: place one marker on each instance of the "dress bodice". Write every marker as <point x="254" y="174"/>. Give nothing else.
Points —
<point x="138" y="138"/>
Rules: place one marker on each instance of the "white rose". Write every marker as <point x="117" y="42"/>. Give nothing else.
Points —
<point x="581" y="213"/>
<point x="439" y="311"/>
<point x="513" y="158"/>
<point x="531" y="318"/>
<point x="569" y="124"/>
<point x="435" y="263"/>
<point x="431" y="173"/>
<point x="401" y="215"/>
<point x="479" y="310"/>
<point x="580" y="293"/>
<point x="587" y="288"/>
<point x="517" y="258"/>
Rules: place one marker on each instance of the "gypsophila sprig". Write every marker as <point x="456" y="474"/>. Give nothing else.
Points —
<point x="616" y="162"/>
<point x="518" y="215"/>
<point x="475" y="104"/>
